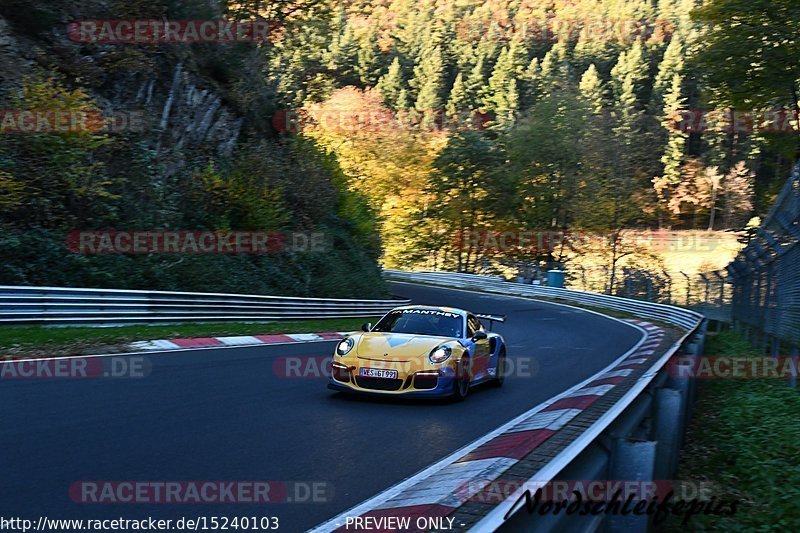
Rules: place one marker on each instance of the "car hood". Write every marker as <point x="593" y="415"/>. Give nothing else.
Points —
<point x="396" y="346"/>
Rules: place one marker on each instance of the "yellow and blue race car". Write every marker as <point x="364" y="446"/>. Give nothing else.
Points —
<point x="420" y="351"/>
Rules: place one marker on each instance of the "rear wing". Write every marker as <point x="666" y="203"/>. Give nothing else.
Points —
<point x="492" y="319"/>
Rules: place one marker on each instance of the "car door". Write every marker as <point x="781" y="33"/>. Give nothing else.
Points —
<point x="481" y="352"/>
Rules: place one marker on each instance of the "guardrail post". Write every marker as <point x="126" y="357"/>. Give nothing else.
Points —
<point x="700" y="337"/>
<point x="668" y="431"/>
<point x="693" y="351"/>
<point x="680" y="379"/>
<point x="631" y="460"/>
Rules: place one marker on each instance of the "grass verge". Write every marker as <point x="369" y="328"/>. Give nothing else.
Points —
<point x="38" y="341"/>
<point x="744" y="438"/>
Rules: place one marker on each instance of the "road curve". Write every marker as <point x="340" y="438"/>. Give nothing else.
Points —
<point x="226" y="414"/>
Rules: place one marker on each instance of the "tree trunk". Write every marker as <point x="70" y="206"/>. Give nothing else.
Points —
<point x="460" y="250"/>
<point x="613" y="274"/>
<point x="711" y="216"/>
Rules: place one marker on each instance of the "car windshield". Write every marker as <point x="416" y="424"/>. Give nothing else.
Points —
<point x="421" y="322"/>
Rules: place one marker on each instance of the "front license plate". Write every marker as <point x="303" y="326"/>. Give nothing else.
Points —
<point x="377" y="373"/>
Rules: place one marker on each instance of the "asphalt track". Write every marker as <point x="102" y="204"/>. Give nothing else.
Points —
<point x="226" y="414"/>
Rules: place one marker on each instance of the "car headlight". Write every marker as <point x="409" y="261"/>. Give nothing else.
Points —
<point x="345" y="346"/>
<point x="440" y="354"/>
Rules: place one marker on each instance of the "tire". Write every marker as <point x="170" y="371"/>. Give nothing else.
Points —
<point x="501" y="368"/>
<point x="461" y="385"/>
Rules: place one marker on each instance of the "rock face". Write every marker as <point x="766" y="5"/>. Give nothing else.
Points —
<point x="12" y="62"/>
<point x="174" y="110"/>
<point x="183" y="115"/>
<point x="5" y="36"/>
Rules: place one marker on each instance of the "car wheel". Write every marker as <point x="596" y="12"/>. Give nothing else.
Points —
<point x="461" y="385"/>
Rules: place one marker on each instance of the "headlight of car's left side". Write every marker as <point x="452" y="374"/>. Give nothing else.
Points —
<point x="344" y="347"/>
<point x="440" y="354"/>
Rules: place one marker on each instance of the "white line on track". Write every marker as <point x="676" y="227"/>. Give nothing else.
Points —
<point x="165" y="352"/>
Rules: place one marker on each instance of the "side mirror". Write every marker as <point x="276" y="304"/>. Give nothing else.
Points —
<point x="479" y="336"/>
<point x="366" y="327"/>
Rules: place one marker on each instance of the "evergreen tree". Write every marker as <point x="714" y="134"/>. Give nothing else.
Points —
<point x="518" y="56"/>
<point x="627" y="113"/>
<point x="686" y="27"/>
<point x="591" y="89"/>
<point x="631" y="68"/>
<point x="594" y="48"/>
<point x="671" y="64"/>
<point x="548" y="73"/>
<point x="429" y="80"/>
<point x="403" y="100"/>
<point x="631" y="159"/>
<point x="475" y="84"/>
<point x="674" y="150"/>
<point x="668" y="10"/>
<point x="676" y="143"/>
<point x="502" y="97"/>
<point x="531" y="79"/>
<point x="368" y="61"/>
<point x="392" y="83"/>
<point x="344" y="55"/>
<point x="458" y="100"/>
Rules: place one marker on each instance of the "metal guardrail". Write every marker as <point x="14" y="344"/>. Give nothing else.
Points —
<point x="636" y="439"/>
<point x="676" y="316"/>
<point x="58" y="305"/>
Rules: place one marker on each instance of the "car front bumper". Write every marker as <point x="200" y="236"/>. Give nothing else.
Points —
<point x="427" y="383"/>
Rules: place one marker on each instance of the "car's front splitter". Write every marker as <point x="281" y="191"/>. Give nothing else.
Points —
<point x="443" y="389"/>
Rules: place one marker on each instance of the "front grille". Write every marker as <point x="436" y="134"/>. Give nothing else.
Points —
<point x="426" y="381"/>
<point x="378" y="383"/>
<point x="341" y="374"/>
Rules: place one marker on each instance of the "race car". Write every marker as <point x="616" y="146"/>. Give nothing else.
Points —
<point x="420" y="351"/>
